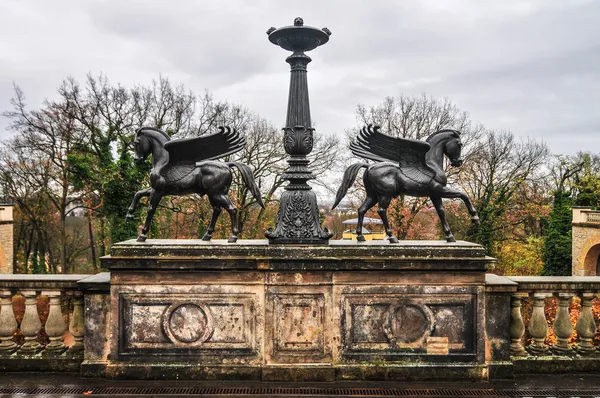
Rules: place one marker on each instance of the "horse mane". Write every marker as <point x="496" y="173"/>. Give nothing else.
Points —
<point x="155" y="130"/>
<point x="456" y="132"/>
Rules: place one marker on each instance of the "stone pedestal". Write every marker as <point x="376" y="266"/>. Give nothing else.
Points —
<point x="212" y="310"/>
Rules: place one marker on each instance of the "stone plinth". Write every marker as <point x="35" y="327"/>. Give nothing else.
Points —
<point x="192" y="309"/>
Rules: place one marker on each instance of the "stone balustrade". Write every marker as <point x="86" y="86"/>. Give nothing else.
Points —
<point x="571" y="341"/>
<point x="51" y="306"/>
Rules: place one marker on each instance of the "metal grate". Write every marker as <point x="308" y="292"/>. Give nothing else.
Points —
<point x="294" y="391"/>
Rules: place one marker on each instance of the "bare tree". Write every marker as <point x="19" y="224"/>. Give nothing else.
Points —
<point x="501" y="176"/>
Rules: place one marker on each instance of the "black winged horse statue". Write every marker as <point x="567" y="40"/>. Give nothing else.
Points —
<point x="404" y="166"/>
<point x="187" y="166"/>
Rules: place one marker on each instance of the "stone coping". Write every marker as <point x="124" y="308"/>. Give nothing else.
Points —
<point x="258" y="254"/>
<point x="556" y="284"/>
<point x="98" y="282"/>
<point x="40" y="281"/>
<point x="499" y="284"/>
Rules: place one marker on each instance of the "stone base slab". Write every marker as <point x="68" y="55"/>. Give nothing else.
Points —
<point x="37" y="363"/>
<point x="305" y="373"/>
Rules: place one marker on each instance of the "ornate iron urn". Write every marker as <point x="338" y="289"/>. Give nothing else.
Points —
<point x="298" y="217"/>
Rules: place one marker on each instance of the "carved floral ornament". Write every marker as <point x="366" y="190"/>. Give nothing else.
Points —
<point x="188" y="324"/>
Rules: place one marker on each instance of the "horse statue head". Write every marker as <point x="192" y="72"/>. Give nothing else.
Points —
<point x="450" y="143"/>
<point x="145" y="139"/>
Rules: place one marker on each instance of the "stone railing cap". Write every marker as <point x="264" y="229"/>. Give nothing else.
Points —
<point x="493" y="279"/>
<point x="555" y="279"/>
<point x="99" y="281"/>
<point x="40" y="281"/>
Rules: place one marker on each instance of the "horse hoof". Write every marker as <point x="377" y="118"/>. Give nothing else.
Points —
<point x="475" y="220"/>
<point x="232" y="239"/>
<point x="393" y="239"/>
<point x="206" y="237"/>
<point x="142" y="238"/>
<point x="450" y="238"/>
<point x="128" y="217"/>
<point x="360" y="238"/>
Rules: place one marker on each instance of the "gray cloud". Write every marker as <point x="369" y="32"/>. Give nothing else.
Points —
<point x="531" y="66"/>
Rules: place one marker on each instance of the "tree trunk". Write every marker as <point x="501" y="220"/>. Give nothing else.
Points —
<point x="92" y="242"/>
<point x="102" y="238"/>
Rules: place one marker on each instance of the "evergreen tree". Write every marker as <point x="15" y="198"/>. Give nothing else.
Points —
<point x="556" y="252"/>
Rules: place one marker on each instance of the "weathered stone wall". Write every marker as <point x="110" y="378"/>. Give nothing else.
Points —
<point x="340" y="312"/>
<point x="6" y="240"/>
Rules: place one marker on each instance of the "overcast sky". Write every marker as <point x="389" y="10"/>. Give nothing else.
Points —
<point x="531" y="66"/>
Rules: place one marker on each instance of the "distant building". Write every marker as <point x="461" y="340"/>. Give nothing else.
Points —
<point x="586" y="241"/>
<point x="6" y="238"/>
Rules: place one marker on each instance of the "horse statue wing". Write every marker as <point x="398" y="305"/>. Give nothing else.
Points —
<point x="407" y="153"/>
<point x="185" y="153"/>
<point x="196" y="149"/>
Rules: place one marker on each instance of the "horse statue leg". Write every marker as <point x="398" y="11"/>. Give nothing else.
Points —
<point x="384" y="203"/>
<point x="439" y="207"/>
<point x="366" y="205"/>
<point x="155" y="198"/>
<point x="453" y="193"/>
<point x="226" y="203"/>
<point x="136" y="199"/>
<point x="213" y="221"/>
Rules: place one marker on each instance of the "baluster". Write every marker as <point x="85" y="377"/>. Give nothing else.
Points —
<point x="586" y="326"/>
<point x="55" y="325"/>
<point x="77" y="325"/>
<point x="8" y="324"/>
<point x="517" y="327"/>
<point x="30" y="325"/>
<point x="538" y="327"/>
<point x="562" y="326"/>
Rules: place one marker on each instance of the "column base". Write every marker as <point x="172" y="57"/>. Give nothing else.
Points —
<point x="30" y="348"/>
<point x="8" y="348"/>
<point x="298" y="220"/>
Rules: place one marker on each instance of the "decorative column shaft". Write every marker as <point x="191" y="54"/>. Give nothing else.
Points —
<point x="77" y="325"/>
<point x="8" y="324"/>
<point x="30" y="325"/>
<point x="586" y="326"/>
<point x="538" y="327"/>
<point x="562" y="326"/>
<point x="55" y="325"/>
<point x="298" y="111"/>
<point x="517" y="327"/>
<point x="298" y="219"/>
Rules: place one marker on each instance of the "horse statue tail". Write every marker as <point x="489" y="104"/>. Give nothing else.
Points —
<point x="248" y="178"/>
<point x="347" y="181"/>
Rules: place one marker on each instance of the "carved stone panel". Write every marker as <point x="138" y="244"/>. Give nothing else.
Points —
<point x="298" y="324"/>
<point x="392" y="324"/>
<point x="209" y="324"/>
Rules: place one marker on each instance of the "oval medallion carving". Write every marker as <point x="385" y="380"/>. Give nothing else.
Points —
<point x="408" y="323"/>
<point x="187" y="323"/>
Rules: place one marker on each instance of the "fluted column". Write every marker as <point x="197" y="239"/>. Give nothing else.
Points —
<point x="55" y="325"/>
<point x="30" y="325"/>
<point x="586" y="326"/>
<point x="562" y="326"/>
<point x="517" y="327"/>
<point x="8" y="324"/>
<point x="77" y="325"/>
<point x="538" y="327"/>
<point x="298" y="111"/>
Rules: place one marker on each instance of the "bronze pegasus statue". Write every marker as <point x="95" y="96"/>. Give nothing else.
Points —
<point x="187" y="166"/>
<point x="404" y="166"/>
